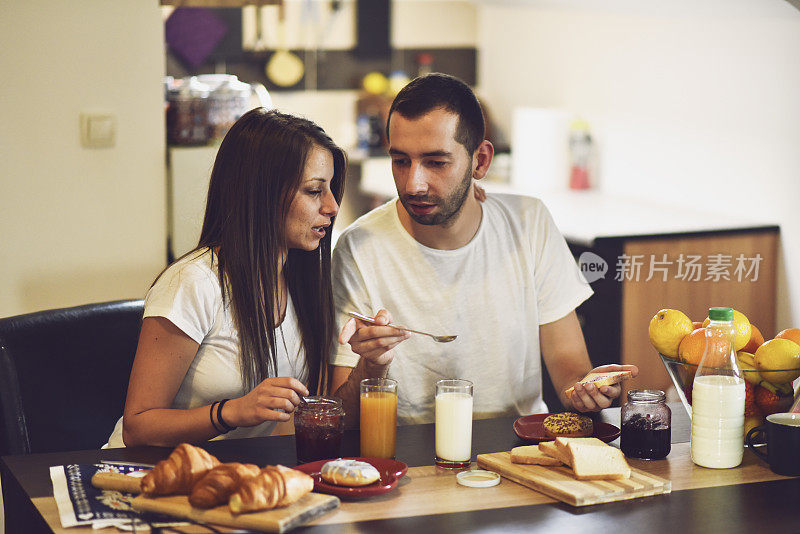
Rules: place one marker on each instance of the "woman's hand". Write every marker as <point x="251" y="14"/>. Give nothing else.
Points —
<point x="590" y="398"/>
<point x="264" y="402"/>
<point x="373" y="342"/>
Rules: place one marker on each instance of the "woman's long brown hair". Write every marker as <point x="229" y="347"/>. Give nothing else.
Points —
<point x="256" y="174"/>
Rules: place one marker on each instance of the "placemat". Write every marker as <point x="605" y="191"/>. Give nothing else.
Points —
<point x="80" y="503"/>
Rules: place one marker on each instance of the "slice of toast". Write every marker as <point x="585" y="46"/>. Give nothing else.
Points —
<point x="532" y="455"/>
<point x="549" y="448"/>
<point x="592" y="462"/>
<point x="601" y="379"/>
<point x="562" y="442"/>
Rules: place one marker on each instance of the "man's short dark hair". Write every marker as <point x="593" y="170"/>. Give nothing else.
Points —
<point x="442" y="91"/>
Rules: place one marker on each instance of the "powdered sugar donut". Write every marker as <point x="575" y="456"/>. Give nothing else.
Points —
<point x="349" y="473"/>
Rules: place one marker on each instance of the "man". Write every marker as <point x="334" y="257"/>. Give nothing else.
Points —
<point x="498" y="274"/>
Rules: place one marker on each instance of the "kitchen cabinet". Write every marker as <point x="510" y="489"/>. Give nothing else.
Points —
<point x="218" y="3"/>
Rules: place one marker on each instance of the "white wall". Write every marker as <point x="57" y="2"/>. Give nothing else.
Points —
<point x="79" y="225"/>
<point x="691" y="103"/>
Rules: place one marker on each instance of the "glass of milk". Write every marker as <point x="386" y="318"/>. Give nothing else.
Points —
<point x="453" y="423"/>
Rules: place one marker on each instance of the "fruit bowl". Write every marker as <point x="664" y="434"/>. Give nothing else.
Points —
<point x="682" y="376"/>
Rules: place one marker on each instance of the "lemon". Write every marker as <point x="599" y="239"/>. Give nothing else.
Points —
<point x="743" y="330"/>
<point x="778" y="360"/>
<point x="667" y="329"/>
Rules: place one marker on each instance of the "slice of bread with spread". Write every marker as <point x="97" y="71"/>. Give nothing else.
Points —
<point x="532" y="455"/>
<point x="601" y="379"/>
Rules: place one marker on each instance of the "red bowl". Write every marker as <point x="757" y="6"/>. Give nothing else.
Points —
<point x="529" y="428"/>
<point x="391" y="472"/>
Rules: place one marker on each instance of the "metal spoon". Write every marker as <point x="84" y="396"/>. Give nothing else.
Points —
<point x="371" y="320"/>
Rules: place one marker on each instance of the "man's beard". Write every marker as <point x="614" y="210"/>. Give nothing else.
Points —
<point x="448" y="207"/>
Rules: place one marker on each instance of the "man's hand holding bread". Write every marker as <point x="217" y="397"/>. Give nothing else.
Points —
<point x="600" y="387"/>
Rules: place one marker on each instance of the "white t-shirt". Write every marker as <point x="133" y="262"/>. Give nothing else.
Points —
<point x="515" y="274"/>
<point x="188" y="294"/>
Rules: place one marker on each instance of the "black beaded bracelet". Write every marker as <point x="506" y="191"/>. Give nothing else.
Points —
<point x="222" y="422"/>
<point x="211" y="416"/>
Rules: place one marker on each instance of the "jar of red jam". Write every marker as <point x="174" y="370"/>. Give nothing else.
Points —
<point x="318" y="428"/>
<point x="646" y="425"/>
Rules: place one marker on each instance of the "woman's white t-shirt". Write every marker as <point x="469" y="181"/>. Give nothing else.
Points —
<point x="188" y="293"/>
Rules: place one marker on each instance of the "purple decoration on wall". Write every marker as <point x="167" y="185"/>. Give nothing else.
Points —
<point x="192" y="33"/>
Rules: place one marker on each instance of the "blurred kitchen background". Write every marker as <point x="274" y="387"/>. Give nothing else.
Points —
<point x="691" y="108"/>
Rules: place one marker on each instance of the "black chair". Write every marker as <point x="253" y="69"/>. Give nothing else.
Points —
<point x="64" y="375"/>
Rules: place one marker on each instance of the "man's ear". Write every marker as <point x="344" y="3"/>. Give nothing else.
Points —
<point x="481" y="159"/>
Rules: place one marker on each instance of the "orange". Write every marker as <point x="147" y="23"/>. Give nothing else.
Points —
<point x="792" y="334"/>
<point x="666" y="330"/>
<point x="778" y="360"/>
<point x="697" y="324"/>
<point x="756" y="340"/>
<point x="693" y="347"/>
<point x="742" y="327"/>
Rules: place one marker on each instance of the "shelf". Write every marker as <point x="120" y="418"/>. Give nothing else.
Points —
<point x="218" y="3"/>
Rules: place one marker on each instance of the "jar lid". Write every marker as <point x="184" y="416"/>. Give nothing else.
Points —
<point x="319" y="404"/>
<point x="191" y="87"/>
<point x="478" y="478"/>
<point x="646" y="395"/>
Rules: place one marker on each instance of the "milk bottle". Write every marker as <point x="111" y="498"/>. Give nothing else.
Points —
<point x="718" y="397"/>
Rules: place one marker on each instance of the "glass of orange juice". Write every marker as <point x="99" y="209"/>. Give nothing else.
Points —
<point x="378" y="417"/>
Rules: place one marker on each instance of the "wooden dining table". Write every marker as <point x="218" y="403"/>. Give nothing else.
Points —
<point x="749" y="498"/>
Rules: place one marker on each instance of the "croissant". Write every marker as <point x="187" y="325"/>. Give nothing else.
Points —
<point x="217" y="485"/>
<point x="179" y="472"/>
<point x="273" y="487"/>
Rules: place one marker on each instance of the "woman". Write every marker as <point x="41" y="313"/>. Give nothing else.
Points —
<point x="247" y="315"/>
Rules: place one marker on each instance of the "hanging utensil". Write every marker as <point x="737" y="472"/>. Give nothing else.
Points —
<point x="259" y="44"/>
<point x="284" y="68"/>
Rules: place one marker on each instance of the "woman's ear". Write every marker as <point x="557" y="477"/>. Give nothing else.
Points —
<point x="481" y="159"/>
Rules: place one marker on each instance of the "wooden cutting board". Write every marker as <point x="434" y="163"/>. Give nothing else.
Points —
<point x="310" y="507"/>
<point x="559" y="482"/>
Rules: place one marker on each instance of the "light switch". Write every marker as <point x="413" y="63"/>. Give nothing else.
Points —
<point x="98" y="130"/>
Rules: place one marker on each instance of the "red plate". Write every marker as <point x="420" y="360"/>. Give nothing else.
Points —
<point x="391" y="472"/>
<point x="529" y="428"/>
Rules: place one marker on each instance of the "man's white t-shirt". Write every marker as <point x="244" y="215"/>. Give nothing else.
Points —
<point x="515" y="274"/>
<point x="188" y="294"/>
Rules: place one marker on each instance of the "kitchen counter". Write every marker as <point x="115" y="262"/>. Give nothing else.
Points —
<point x="586" y="216"/>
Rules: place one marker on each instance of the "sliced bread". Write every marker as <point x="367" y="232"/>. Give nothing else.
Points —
<point x="531" y="454"/>
<point x="592" y="462"/>
<point x="561" y="443"/>
<point x="549" y="448"/>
